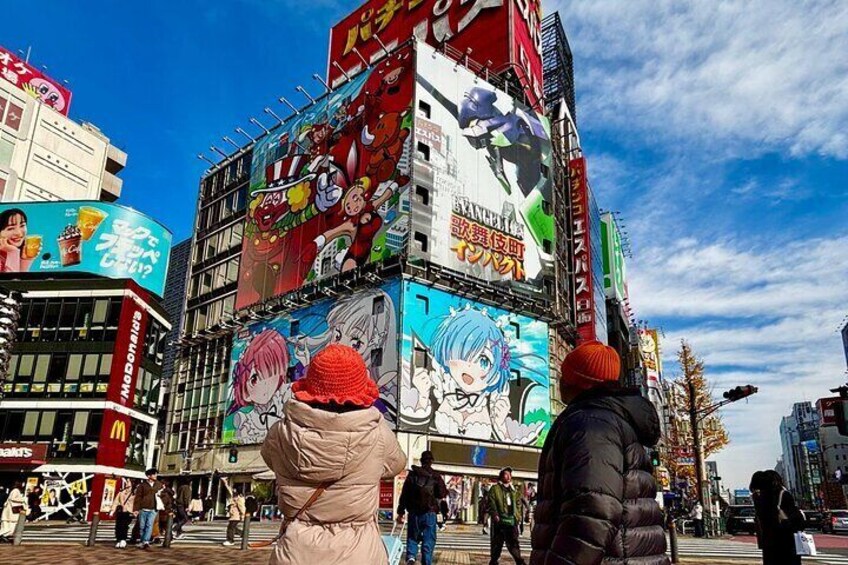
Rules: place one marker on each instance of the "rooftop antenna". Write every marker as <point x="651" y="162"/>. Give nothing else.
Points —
<point x="244" y="133"/>
<point x="203" y="157"/>
<point x="361" y="58"/>
<point x="303" y="91"/>
<point x="270" y="112"/>
<point x="341" y="70"/>
<point x="258" y="124"/>
<point x="218" y="151"/>
<point x="322" y="81"/>
<point x="289" y="104"/>
<point x="231" y="142"/>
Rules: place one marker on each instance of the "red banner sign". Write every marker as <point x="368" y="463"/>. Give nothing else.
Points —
<point x="129" y="348"/>
<point x="34" y="82"/>
<point x="827" y="410"/>
<point x="387" y="493"/>
<point x="505" y="32"/>
<point x="114" y="436"/>
<point x="23" y="453"/>
<point x="581" y="233"/>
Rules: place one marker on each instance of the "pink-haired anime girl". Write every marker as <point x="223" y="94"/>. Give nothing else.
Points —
<point x="259" y="383"/>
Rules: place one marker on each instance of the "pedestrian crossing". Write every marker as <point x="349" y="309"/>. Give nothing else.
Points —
<point x="469" y="539"/>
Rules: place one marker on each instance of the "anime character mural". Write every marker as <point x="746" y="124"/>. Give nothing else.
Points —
<point x="271" y="355"/>
<point x="331" y="174"/>
<point x="467" y="377"/>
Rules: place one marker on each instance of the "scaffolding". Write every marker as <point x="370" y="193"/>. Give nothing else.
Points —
<point x="557" y="65"/>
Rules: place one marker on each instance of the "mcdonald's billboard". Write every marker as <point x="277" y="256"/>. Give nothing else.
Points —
<point x="114" y="435"/>
<point x="129" y="349"/>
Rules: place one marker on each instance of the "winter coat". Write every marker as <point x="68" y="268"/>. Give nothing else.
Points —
<point x="776" y="538"/>
<point x="416" y="499"/>
<point x="597" y="494"/>
<point x="145" y="495"/>
<point x="353" y="451"/>
<point x="184" y="496"/>
<point x="498" y="503"/>
<point x="124" y="501"/>
<point x="235" y="508"/>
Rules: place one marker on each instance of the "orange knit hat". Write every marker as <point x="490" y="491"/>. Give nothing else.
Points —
<point x="592" y="363"/>
<point x="337" y="374"/>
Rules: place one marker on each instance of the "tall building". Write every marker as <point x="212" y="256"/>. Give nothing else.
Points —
<point x="45" y="155"/>
<point x="375" y="218"/>
<point x="801" y="454"/>
<point x="174" y="302"/>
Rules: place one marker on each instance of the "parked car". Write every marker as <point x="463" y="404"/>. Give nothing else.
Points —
<point x="835" y="522"/>
<point x="739" y="519"/>
<point x="813" y="520"/>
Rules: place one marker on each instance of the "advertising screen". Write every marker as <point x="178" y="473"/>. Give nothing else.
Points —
<point x="505" y="32"/>
<point x="472" y="371"/>
<point x="34" y="82"/>
<point x="485" y="160"/>
<point x="328" y="187"/>
<point x="269" y="355"/>
<point x="84" y="237"/>
<point x="649" y="347"/>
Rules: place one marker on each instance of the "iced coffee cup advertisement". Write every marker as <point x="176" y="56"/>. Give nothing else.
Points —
<point x="85" y="237"/>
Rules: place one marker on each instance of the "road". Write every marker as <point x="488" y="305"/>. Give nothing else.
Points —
<point x="465" y="539"/>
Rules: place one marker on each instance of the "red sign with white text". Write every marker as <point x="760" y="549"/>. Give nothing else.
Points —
<point x="114" y="437"/>
<point x="827" y="410"/>
<point x="23" y="453"/>
<point x="505" y="32"/>
<point x="580" y="232"/>
<point x="34" y="82"/>
<point x="129" y="348"/>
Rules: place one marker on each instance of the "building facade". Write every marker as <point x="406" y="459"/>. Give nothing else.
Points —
<point x="802" y="462"/>
<point x="82" y="393"/>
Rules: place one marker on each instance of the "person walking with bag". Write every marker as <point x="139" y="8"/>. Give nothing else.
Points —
<point x="146" y="505"/>
<point x="123" y="506"/>
<point x="507" y="512"/>
<point x="778" y="519"/>
<point x="329" y="454"/>
<point x="183" y="502"/>
<point x="596" y="501"/>
<point x="15" y="503"/>
<point x="422" y="490"/>
<point x="236" y="512"/>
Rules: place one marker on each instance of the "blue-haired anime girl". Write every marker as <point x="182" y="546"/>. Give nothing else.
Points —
<point x="466" y="391"/>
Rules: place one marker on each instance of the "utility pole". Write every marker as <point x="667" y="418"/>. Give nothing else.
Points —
<point x="696" y="438"/>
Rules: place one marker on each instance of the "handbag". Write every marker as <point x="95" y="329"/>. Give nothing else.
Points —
<point x="805" y="544"/>
<point x="286" y="521"/>
<point x="160" y="504"/>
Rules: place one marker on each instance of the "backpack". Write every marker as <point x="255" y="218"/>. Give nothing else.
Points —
<point x="424" y="493"/>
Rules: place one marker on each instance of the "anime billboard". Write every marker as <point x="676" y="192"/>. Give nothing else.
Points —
<point x="46" y="90"/>
<point x="472" y="371"/>
<point x="486" y="160"/>
<point x="269" y="355"/>
<point x="328" y="186"/>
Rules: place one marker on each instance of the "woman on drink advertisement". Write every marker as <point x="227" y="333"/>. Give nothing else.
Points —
<point x="17" y="251"/>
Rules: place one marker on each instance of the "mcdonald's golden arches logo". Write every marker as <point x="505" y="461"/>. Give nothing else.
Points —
<point x="119" y="430"/>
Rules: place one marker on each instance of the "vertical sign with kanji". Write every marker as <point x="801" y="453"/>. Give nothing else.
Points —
<point x="582" y="250"/>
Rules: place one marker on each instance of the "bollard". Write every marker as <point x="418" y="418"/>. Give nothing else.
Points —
<point x="245" y="532"/>
<point x="19" y="529"/>
<point x="92" y="530"/>
<point x="169" y="530"/>
<point x="672" y="536"/>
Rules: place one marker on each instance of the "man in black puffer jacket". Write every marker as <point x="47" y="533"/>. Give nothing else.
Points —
<point x="597" y="494"/>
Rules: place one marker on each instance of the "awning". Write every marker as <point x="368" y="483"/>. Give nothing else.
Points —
<point x="265" y="476"/>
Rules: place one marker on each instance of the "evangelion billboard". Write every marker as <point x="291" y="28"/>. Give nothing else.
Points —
<point x="84" y="237"/>
<point x="486" y="159"/>
<point x="505" y="32"/>
<point x="327" y="187"/>
<point x="270" y="355"/>
<point x="34" y="82"/>
<point x="472" y="371"/>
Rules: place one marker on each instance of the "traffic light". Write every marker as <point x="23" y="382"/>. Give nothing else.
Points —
<point x="655" y="458"/>
<point x="9" y="314"/>
<point x="233" y="455"/>
<point x="740" y="392"/>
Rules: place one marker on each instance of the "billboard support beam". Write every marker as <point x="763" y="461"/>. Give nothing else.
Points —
<point x="271" y="113"/>
<point x="244" y="133"/>
<point x="341" y="70"/>
<point x="289" y="104"/>
<point x="361" y="58"/>
<point x="258" y="124"/>
<point x="303" y="91"/>
<point x="218" y="151"/>
<point x="322" y="81"/>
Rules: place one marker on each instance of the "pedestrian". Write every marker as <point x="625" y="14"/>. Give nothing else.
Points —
<point x="442" y="517"/>
<point x="484" y="508"/>
<point x="209" y="508"/>
<point x="596" y="500"/>
<point x="235" y="512"/>
<point x="507" y="511"/>
<point x="195" y="508"/>
<point x="697" y="516"/>
<point x="80" y="513"/>
<point x="329" y="453"/>
<point x="420" y="496"/>
<point x="160" y="525"/>
<point x="778" y="518"/>
<point x="123" y="513"/>
<point x="182" y="503"/>
<point x="34" y="503"/>
<point x="146" y="506"/>
<point x="15" y="503"/>
<point x="251" y="506"/>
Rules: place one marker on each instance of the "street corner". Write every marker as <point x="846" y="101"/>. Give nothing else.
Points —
<point x="79" y="555"/>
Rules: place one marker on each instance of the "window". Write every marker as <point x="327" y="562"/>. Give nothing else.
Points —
<point x="14" y="116"/>
<point x="30" y="424"/>
<point x="423" y="109"/>
<point x="74" y="367"/>
<point x="423" y="193"/>
<point x="41" y="366"/>
<point x="100" y="308"/>
<point x="421" y="240"/>
<point x="425" y="303"/>
<point x="47" y="421"/>
<point x="423" y="151"/>
<point x="80" y="423"/>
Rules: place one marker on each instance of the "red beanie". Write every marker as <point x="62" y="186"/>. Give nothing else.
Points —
<point x="590" y="364"/>
<point x="337" y="374"/>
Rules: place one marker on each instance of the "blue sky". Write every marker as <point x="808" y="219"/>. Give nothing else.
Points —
<point x="717" y="130"/>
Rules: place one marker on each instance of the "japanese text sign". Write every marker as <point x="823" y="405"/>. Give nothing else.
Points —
<point x="34" y="82"/>
<point x="499" y="248"/>
<point x="580" y="233"/>
<point x="84" y="236"/>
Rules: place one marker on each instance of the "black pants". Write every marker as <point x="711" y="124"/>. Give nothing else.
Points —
<point x="508" y="535"/>
<point x="233" y="528"/>
<point x="182" y="520"/>
<point x="699" y="528"/>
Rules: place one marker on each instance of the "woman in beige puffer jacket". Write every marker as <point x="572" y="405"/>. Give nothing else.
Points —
<point x="331" y="433"/>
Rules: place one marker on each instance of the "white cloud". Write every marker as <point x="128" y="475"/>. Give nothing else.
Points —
<point x="770" y="75"/>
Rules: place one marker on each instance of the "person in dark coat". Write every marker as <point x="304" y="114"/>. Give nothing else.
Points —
<point x="596" y="501"/>
<point x="776" y="529"/>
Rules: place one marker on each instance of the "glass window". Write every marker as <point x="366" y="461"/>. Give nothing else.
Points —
<point x="90" y="367"/>
<point x="47" y="421"/>
<point x="80" y="423"/>
<point x="25" y="365"/>
<point x="100" y="308"/>
<point x="74" y="367"/>
<point x="30" y="423"/>
<point x="105" y="364"/>
<point x="41" y="367"/>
